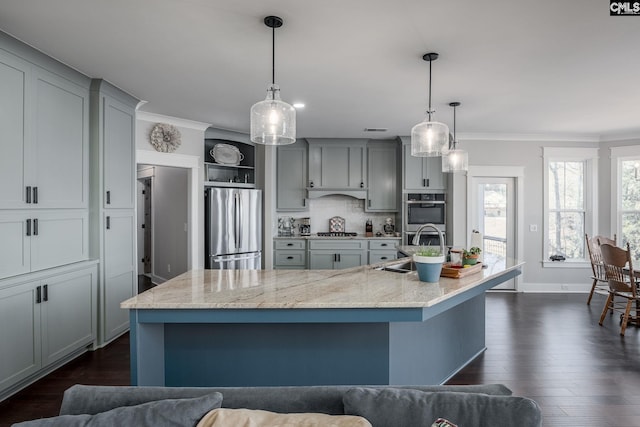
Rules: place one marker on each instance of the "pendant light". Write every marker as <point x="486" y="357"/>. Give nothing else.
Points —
<point x="455" y="160"/>
<point x="273" y="121"/>
<point x="429" y="138"/>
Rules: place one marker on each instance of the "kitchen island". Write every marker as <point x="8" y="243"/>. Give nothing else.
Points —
<point x="360" y="325"/>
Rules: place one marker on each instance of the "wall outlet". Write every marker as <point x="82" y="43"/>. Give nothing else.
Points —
<point x="533" y="227"/>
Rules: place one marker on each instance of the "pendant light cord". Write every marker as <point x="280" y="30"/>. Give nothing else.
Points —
<point x="455" y="141"/>
<point x="273" y="55"/>
<point x="429" y="111"/>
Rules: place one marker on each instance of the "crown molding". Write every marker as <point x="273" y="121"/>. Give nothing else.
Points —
<point x="527" y="137"/>
<point x="176" y="121"/>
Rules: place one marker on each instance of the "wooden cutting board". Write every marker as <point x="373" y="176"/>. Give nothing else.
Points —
<point x="456" y="273"/>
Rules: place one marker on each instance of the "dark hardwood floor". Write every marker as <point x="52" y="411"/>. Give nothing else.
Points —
<point x="545" y="346"/>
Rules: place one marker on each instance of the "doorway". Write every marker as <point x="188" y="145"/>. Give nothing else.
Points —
<point x="495" y="210"/>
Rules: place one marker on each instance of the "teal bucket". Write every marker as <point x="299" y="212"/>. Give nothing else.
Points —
<point x="429" y="272"/>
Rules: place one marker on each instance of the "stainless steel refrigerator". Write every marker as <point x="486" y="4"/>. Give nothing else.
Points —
<point x="233" y="227"/>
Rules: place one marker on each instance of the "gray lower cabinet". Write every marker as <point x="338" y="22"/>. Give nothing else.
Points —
<point x="422" y="173"/>
<point x="382" y="194"/>
<point x="44" y="318"/>
<point x="291" y="177"/>
<point x="383" y="250"/>
<point x="118" y="276"/>
<point x="336" y="254"/>
<point x="290" y="254"/>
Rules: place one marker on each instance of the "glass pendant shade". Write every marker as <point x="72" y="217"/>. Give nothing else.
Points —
<point x="273" y="121"/>
<point x="455" y="161"/>
<point x="429" y="139"/>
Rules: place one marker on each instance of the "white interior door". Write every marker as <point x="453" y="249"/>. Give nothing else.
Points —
<point x="494" y="215"/>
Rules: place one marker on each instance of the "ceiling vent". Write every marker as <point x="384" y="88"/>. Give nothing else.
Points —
<point x="375" y="129"/>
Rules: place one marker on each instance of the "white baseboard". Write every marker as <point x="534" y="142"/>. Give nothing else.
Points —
<point x="582" y="288"/>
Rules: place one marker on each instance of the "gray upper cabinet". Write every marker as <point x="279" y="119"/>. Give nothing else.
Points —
<point x="45" y="123"/>
<point x="116" y="127"/>
<point x="337" y="164"/>
<point x="382" y="160"/>
<point x="291" y="175"/>
<point x="422" y="173"/>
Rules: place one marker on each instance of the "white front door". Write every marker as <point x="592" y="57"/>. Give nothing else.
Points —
<point x="493" y="215"/>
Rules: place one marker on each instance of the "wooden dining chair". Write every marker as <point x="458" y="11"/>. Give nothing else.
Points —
<point x="622" y="283"/>
<point x="598" y="276"/>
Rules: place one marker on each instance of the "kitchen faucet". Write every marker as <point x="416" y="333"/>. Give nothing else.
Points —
<point x="416" y="238"/>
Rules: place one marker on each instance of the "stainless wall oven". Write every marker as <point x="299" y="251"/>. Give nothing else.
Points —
<point x="423" y="208"/>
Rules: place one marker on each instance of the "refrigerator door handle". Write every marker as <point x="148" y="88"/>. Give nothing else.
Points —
<point x="235" y="257"/>
<point x="236" y="220"/>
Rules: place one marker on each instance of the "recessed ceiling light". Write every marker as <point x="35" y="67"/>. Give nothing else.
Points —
<point x="298" y="105"/>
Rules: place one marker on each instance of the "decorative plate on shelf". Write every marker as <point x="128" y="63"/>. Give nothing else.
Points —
<point x="226" y="154"/>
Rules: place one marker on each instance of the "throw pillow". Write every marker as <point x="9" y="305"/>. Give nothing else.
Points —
<point x="160" y="413"/>
<point x="255" y="417"/>
<point x="391" y="407"/>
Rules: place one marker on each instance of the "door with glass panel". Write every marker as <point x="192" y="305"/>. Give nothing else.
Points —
<point x="494" y="217"/>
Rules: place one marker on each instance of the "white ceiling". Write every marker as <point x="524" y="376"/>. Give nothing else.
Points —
<point x="563" y="68"/>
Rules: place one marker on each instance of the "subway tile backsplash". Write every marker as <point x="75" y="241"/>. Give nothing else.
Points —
<point x="352" y="210"/>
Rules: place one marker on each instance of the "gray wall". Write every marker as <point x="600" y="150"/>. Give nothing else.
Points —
<point x="170" y="217"/>
<point x="527" y="154"/>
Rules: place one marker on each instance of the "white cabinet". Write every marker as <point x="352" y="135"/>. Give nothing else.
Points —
<point x="39" y="239"/>
<point x="337" y="164"/>
<point x="44" y="119"/>
<point x="112" y="202"/>
<point x="44" y="318"/>
<point x="382" y="194"/>
<point x="422" y="173"/>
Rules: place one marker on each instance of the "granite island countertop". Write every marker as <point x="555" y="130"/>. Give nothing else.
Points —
<point x="358" y="287"/>
<point x="357" y="237"/>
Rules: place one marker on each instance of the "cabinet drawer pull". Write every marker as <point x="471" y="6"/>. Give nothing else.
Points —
<point x="108" y="197"/>
<point x="35" y="195"/>
<point x="289" y="244"/>
<point x="45" y="293"/>
<point x="108" y="223"/>
<point x="289" y="257"/>
<point x="424" y="182"/>
<point x="35" y="226"/>
<point x="29" y="227"/>
<point x="38" y="295"/>
<point x="427" y="182"/>
<point x="383" y="257"/>
<point x="383" y="244"/>
<point x="28" y="194"/>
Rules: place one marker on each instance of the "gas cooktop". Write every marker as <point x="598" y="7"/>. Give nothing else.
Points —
<point x="336" y="234"/>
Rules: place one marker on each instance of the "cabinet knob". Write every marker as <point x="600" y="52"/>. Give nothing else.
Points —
<point x="311" y="184"/>
<point x="361" y="184"/>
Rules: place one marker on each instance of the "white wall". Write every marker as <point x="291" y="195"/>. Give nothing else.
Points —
<point x="192" y="146"/>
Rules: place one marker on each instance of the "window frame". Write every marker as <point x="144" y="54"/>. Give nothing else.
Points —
<point x="618" y="155"/>
<point x="590" y="158"/>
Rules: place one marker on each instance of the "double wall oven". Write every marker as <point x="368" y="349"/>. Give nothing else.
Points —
<point x="423" y="208"/>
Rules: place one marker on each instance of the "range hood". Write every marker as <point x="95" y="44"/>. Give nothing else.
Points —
<point x="315" y="193"/>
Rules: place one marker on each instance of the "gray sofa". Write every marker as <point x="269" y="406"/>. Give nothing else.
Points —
<point x="394" y="406"/>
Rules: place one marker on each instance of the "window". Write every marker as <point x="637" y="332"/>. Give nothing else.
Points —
<point x="569" y="189"/>
<point x="626" y="192"/>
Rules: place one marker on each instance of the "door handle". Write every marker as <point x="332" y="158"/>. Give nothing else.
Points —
<point x="29" y="227"/>
<point x="28" y="195"/>
<point x="35" y="226"/>
<point x="35" y="195"/>
<point x="45" y="293"/>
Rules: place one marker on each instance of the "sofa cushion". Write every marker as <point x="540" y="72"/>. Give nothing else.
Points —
<point x="85" y="399"/>
<point x="411" y="408"/>
<point x="225" y="417"/>
<point x="161" y="413"/>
